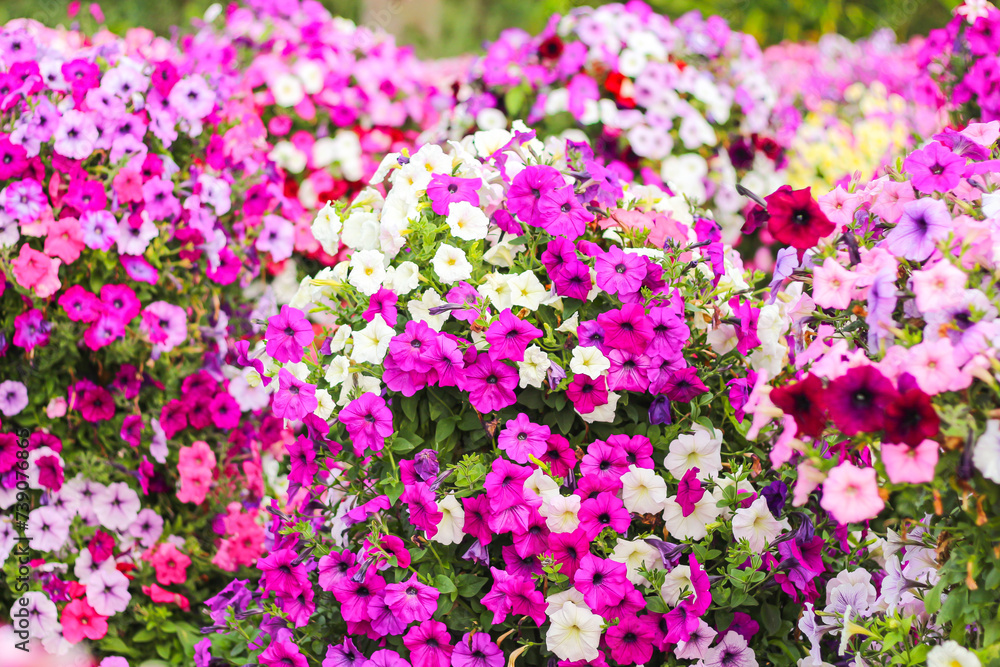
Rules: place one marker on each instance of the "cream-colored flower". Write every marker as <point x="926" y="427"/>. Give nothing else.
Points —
<point x="467" y="222"/>
<point x="589" y="361"/>
<point x="574" y="633"/>
<point x="449" y="529"/>
<point x="643" y="491"/>
<point x="636" y="554"/>
<point x="372" y="343"/>
<point x="561" y="513"/>
<point x="701" y="449"/>
<point x="756" y="524"/>
<point x="451" y="264"/>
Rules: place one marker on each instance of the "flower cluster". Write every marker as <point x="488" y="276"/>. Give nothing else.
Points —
<point x="887" y="409"/>
<point x="535" y="375"/>
<point x="136" y="205"/>
<point x="960" y="63"/>
<point x="335" y="98"/>
<point x="684" y="102"/>
<point x="847" y="107"/>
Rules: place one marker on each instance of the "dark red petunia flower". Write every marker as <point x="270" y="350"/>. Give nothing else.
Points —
<point x="796" y="219"/>
<point x="857" y="400"/>
<point x="910" y="418"/>
<point x="805" y="402"/>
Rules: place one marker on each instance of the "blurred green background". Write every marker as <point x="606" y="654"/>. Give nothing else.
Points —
<point x="450" y="27"/>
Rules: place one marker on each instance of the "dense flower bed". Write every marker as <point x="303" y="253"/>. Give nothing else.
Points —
<point x="279" y="388"/>
<point x="134" y="211"/>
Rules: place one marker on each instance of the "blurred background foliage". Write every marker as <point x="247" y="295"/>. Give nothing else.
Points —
<point x="441" y="28"/>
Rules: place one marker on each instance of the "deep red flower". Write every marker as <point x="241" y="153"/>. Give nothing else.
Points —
<point x="857" y="400"/>
<point x="910" y="418"/>
<point x="796" y="218"/>
<point x="804" y="401"/>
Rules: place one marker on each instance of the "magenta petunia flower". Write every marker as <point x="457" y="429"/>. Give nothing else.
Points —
<point x="429" y="645"/>
<point x="934" y="168"/>
<point x="587" y="393"/>
<point x="509" y="336"/>
<point x="574" y="281"/>
<point x="477" y="650"/>
<point x="445" y="190"/>
<point x="383" y="303"/>
<point x="287" y="333"/>
<point x="521" y="438"/>
<point x="620" y="272"/>
<point x="281" y="574"/>
<point x="569" y="549"/>
<point x="684" y="385"/>
<point x="527" y="189"/>
<point x="627" y="328"/>
<point x="560" y="214"/>
<point x="631" y="641"/>
<point x="490" y="384"/>
<point x="412" y="349"/>
<point x="368" y="421"/>
<point x="604" y="511"/>
<point x="282" y="652"/>
<point x="601" y="581"/>
<point x="294" y="398"/>
<point x="411" y="600"/>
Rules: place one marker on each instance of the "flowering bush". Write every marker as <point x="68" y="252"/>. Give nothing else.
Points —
<point x="847" y="106"/>
<point x="960" y="63"/>
<point x="535" y="376"/>
<point x="684" y="102"/>
<point x="888" y="407"/>
<point x="134" y="210"/>
<point x="335" y="97"/>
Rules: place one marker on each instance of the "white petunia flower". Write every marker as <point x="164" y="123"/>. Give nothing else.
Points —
<point x="367" y="271"/>
<point x="756" y="524"/>
<point x="338" y="370"/>
<point x="403" y="279"/>
<point x="694" y="525"/>
<point x="467" y="222"/>
<point x="574" y="633"/>
<point x="675" y="584"/>
<point x="589" y="361"/>
<point x="701" y="449"/>
<point x="420" y="309"/>
<point x="643" y="491"/>
<point x="451" y="264"/>
<point x="635" y="554"/>
<point x="527" y="290"/>
<point x="360" y="230"/>
<point x="496" y="288"/>
<point x="326" y="228"/>
<point x="449" y="529"/>
<point x="952" y="654"/>
<point x="372" y="343"/>
<point x="326" y="404"/>
<point x="533" y="369"/>
<point x="986" y="455"/>
<point x="287" y="90"/>
<point x="561" y="513"/>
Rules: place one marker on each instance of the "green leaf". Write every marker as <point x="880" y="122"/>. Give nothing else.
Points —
<point x="394" y="490"/>
<point x="771" y="616"/>
<point x="469" y="585"/>
<point x="444" y="584"/>
<point x="445" y="428"/>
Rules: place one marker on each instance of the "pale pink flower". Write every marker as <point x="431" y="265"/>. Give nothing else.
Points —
<point x="839" y="205"/>
<point x="910" y="464"/>
<point x="938" y="287"/>
<point x="833" y="284"/>
<point x="851" y="495"/>
<point x="891" y="199"/>
<point x="932" y="364"/>
<point x="807" y="479"/>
